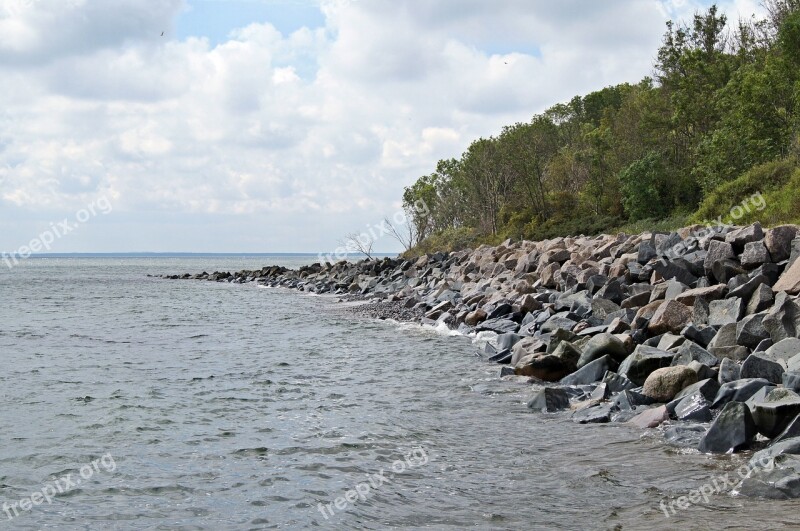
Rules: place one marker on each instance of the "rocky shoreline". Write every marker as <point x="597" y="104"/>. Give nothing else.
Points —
<point x="697" y="330"/>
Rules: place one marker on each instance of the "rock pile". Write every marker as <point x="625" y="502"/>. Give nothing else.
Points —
<point x="700" y="327"/>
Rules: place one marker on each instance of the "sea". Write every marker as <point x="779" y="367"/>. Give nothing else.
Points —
<point x="134" y="402"/>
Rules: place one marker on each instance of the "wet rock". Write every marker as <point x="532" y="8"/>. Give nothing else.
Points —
<point x="507" y="341"/>
<point x="631" y="400"/>
<point x="617" y="383"/>
<point x="644" y="360"/>
<point x="738" y="391"/>
<point x="652" y="418"/>
<point x="733" y="430"/>
<point x="591" y="372"/>
<point x="500" y="326"/>
<point x="549" y="367"/>
<point x="773" y="414"/>
<point x="695" y="408"/>
<point x="598" y="414"/>
<point x="663" y="384"/>
<point x="776" y="478"/>
<point x="685" y="436"/>
<point x="671" y="316"/>
<point x="792" y="430"/>
<point x="526" y="347"/>
<point x="550" y="400"/>
<point x="476" y="317"/>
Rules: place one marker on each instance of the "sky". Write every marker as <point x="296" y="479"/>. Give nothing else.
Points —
<point x="260" y="126"/>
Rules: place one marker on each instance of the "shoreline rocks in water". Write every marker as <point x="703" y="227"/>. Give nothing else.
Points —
<point x="700" y="325"/>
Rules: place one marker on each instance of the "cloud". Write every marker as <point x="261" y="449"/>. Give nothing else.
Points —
<point x="288" y="141"/>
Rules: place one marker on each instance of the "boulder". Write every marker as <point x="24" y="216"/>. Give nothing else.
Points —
<point x="717" y="251"/>
<point x="750" y="331"/>
<point x="741" y="237"/>
<point x="710" y="293"/>
<point x="476" y="317"/>
<point x="761" y="299"/>
<point x="792" y="430"/>
<point x="690" y="351"/>
<point x="644" y="360"/>
<point x="776" y="478"/>
<point x="790" y="280"/>
<point x="663" y="384"/>
<point x="779" y="242"/>
<point x="708" y="388"/>
<point x="499" y="325"/>
<point x="738" y="391"/>
<point x="597" y="414"/>
<point x="791" y="381"/>
<point x="773" y="414"/>
<point x="695" y="408"/>
<point x="652" y="418"/>
<point x="617" y="383"/>
<point x="550" y="367"/>
<point x="762" y="366"/>
<point x="783" y="319"/>
<point x="755" y="254"/>
<point x="630" y="400"/>
<point x="786" y="350"/>
<point x="729" y="371"/>
<point x="733" y="430"/>
<point x="526" y="347"/>
<point x="725" y="311"/>
<point x="671" y="316"/>
<point x="591" y="372"/>
<point x="550" y="400"/>
<point x="601" y="345"/>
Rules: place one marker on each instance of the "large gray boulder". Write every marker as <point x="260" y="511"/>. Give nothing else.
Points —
<point x="733" y="430"/>
<point x="776" y="411"/>
<point x="738" y="391"/>
<point x="761" y="365"/>
<point x="602" y="345"/>
<point x="644" y="360"/>
<point x="550" y="400"/>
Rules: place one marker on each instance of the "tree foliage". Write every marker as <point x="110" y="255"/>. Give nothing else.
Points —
<point x="723" y="100"/>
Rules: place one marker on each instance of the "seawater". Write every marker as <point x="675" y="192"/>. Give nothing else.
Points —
<point x="229" y="406"/>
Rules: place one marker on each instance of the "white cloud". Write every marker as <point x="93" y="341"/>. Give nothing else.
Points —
<point x="286" y="141"/>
